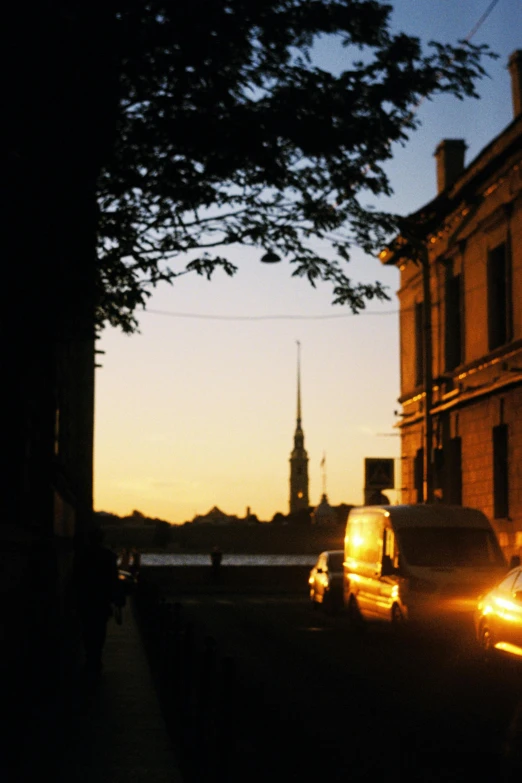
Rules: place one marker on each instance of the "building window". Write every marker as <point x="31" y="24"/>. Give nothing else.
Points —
<point x="418" y="475"/>
<point x="447" y="471"/>
<point x="453" y="323"/>
<point x="419" y="344"/>
<point x="454" y="472"/>
<point x="499" y="300"/>
<point x="500" y="472"/>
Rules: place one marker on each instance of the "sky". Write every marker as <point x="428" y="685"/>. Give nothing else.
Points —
<point x="199" y="408"/>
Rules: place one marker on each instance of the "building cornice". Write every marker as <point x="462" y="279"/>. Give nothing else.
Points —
<point x="471" y="395"/>
<point x="502" y="154"/>
<point x="462" y="395"/>
<point x="462" y="399"/>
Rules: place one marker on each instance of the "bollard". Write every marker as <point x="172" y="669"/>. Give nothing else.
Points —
<point x="186" y="691"/>
<point x="176" y="615"/>
<point x="168" y="680"/>
<point x="161" y="638"/>
<point x="209" y="714"/>
<point x="171" y="656"/>
<point x="226" y="721"/>
<point x="186" y="670"/>
<point x="207" y="684"/>
<point x="512" y="746"/>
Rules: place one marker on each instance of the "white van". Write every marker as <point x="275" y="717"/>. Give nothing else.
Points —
<point x="417" y="562"/>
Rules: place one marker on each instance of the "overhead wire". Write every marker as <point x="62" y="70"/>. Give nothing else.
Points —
<point x="207" y="317"/>
<point x="481" y="20"/>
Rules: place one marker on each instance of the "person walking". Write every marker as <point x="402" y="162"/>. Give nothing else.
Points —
<point x="215" y="560"/>
<point x="135" y="563"/>
<point x="124" y="559"/>
<point x="96" y="587"/>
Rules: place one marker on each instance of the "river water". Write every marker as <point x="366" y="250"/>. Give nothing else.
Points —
<point x="176" y="559"/>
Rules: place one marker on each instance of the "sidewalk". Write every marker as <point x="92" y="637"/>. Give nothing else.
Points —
<point x="117" y="731"/>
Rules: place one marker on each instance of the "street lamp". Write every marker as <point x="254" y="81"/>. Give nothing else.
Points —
<point x="427" y="349"/>
<point x="428" y="376"/>
<point x="402" y="247"/>
<point x="270" y="258"/>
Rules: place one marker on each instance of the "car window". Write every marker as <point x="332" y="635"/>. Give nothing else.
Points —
<point x="506" y="585"/>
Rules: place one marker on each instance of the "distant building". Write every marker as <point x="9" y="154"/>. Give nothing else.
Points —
<point x="324" y="513"/>
<point x="342" y="511"/>
<point x="460" y="260"/>
<point x="217" y="517"/>
<point x="299" y="457"/>
<point x="377" y="498"/>
<point x="214" y="517"/>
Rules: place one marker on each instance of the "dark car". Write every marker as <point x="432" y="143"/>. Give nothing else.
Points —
<point x="498" y="619"/>
<point x="326" y="581"/>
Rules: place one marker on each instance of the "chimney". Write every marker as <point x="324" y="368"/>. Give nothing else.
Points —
<point x="450" y="162"/>
<point x="515" y="69"/>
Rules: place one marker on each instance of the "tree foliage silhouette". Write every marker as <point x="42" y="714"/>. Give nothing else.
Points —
<point x="228" y="133"/>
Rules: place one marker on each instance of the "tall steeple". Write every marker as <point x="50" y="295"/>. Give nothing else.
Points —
<point x="298" y="457"/>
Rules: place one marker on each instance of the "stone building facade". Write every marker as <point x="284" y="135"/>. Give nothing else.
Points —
<point x="460" y="262"/>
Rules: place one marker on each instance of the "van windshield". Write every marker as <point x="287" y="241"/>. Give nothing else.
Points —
<point x="449" y="546"/>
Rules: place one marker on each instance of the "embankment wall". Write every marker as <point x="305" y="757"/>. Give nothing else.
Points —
<point x="231" y="539"/>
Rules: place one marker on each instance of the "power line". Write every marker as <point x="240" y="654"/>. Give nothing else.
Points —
<point x="481" y="20"/>
<point x="206" y="317"/>
<point x="478" y="24"/>
<point x="283" y="317"/>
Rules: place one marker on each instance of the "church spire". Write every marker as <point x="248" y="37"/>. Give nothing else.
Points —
<point x="299" y="457"/>
<point x="298" y="383"/>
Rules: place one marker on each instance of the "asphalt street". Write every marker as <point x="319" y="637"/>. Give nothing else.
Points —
<point x="314" y="700"/>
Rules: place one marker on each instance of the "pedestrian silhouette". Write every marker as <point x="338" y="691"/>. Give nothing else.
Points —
<point x="124" y="559"/>
<point x="135" y="562"/>
<point x="96" y="584"/>
<point x="215" y="560"/>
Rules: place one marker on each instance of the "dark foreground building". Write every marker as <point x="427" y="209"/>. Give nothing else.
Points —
<point x="59" y="87"/>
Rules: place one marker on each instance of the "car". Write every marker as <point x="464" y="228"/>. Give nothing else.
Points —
<point x="498" y="619"/>
<point x="326" y="581"/>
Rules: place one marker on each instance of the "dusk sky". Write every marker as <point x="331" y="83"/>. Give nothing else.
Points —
<point x="199" y="409"/>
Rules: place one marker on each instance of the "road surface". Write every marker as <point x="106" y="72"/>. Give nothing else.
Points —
<point x="315" y="701"/>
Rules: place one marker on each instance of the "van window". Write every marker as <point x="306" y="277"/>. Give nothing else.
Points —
<point x="365" y="539"/>
<point x="449" y="546"/>
<point x="390" y="547"/>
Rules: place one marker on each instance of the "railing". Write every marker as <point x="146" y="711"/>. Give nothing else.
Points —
<point x="198" y="689"/>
